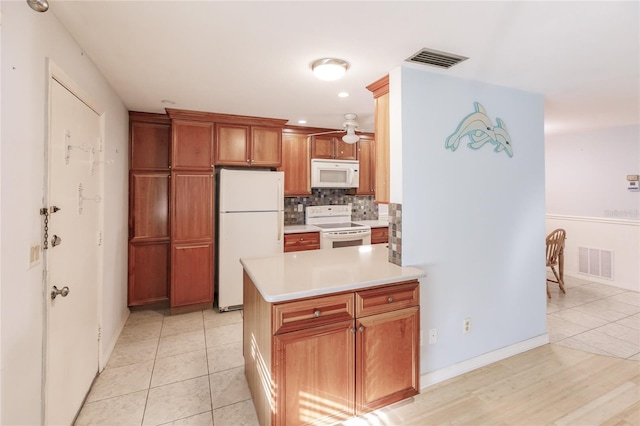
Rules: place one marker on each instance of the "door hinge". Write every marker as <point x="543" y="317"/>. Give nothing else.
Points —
<point x="99" y="333"/>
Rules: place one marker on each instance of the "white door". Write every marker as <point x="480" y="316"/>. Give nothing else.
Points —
<point x="72" y="262"/>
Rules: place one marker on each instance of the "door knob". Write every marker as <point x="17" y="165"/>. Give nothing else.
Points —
<point x="56" y="241"/>
<point x="55" y="291"/>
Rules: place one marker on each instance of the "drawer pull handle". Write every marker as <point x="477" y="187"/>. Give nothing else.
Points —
<point x="316" y="313"/>
<point x="361" y="328"/>
<point x="390" y="299"/>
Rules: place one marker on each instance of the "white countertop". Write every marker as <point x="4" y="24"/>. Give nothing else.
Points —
<point x="295" y="275"/>
<point x="296" y="229"/>
<point x="373" y="223"/>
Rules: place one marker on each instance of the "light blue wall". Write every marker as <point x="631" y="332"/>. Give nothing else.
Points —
<point x="473" y="219"/>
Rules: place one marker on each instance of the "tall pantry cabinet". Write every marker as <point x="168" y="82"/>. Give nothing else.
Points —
<point x="171" y="202"/>
<point x="149" y="186"/>
<point x="192" y="187"/>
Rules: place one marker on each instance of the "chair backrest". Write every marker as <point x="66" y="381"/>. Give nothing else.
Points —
<point x="555" y="245"/>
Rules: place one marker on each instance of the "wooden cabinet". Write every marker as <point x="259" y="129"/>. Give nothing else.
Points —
<point x="296" y="156"/>
<point x="149" y="186"/>
<point x="332" y="147"/>
<point x="331" y="357"/>
<point x="302" y="241"/>
<point x="191" y="145"/>
<point x="241" y="145"/>
<point x="192" y="238"/>
<point x="367" y="166"/>
<point x="380" y="90"/>
<point x="379" y="235"/>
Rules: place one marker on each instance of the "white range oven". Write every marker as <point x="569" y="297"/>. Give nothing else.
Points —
<point x="336" y="228"/>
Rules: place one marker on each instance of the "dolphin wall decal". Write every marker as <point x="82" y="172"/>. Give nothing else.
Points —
<point x="477" y="127"/>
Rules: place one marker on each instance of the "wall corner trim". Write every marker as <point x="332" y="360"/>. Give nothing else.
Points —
<point x="471" y="364"/>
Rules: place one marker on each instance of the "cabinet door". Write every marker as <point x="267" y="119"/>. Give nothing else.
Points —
<point x="379" y="235"/>
<point x="314" y="370"/>
<point x="192" y="145"/>
<point x="148" y="206"/>
<point x="367" y="166"/>
<point x="192" y="213"/>
<point x="323" y="146"/>
<point x="232" y="145"/>
<point x="148" y="273"/>
<point x="266" y="146"/>
<point x="387" y="358"/>
<point x="382" y="148"/>
<point x="191" y="274"/>
<point x="345" y="151"/>
<point x="295" y="164"/>
<point x="149" y="149"/>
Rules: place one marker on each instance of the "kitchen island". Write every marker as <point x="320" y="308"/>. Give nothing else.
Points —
<point x="329" y="334"/>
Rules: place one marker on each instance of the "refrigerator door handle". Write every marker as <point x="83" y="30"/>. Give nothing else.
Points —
<point x="280" y="221"/>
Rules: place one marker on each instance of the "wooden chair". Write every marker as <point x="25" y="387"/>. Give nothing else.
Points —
<point x="555" y="257"/>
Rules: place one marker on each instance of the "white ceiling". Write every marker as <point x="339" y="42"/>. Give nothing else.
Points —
<point x="252" y="58"/>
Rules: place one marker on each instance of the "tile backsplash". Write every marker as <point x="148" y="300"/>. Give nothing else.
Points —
<point x="363" y="207"/>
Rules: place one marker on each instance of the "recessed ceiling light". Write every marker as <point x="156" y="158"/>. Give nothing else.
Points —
<point x="302" y="121"/>
<point x="329" y="69"/>
<point x="343" y="95"/>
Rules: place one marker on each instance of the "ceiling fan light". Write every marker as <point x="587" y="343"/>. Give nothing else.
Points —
<point x="350" y="136"/>
<point x="329" y="69"/>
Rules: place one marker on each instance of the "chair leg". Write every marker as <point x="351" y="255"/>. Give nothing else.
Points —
<point x="560" y="281"/>
<point x="548" y="294"/>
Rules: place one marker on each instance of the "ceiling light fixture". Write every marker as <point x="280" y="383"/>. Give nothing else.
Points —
<point x="329" y="69"/>
<point x="38" y="5"/>
<point x="343" y="95"/>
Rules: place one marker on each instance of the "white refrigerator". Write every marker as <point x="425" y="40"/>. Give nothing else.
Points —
<point x="250" y="224"/>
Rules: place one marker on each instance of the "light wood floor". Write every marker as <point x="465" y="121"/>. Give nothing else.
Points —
<point x="550" y="385"/>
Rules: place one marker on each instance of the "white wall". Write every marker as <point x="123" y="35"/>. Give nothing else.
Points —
<point x="28" y="39"/>
<point x="472" y="219"/>
<point x="587" y="195"/>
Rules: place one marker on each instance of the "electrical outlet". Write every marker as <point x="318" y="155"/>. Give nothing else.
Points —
<point x="300" y="208"/>
<point x="466" y="326"/>
<point x="433" y="336"/>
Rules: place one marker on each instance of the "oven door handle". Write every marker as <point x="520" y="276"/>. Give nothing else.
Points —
<point x="347" y="235"/>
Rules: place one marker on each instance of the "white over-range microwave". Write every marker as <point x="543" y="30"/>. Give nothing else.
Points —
<point x="334" y="173"/>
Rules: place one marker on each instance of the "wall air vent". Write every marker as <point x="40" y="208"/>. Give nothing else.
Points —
<point x="436" y="58"/>
<point x="595" y="262"/>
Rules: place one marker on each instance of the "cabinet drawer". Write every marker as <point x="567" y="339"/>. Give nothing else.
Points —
<point x="307" y="313"/>
<point x="386" y="299"/>
<point x="379" y="235"/>
<point x="302" y="241"/>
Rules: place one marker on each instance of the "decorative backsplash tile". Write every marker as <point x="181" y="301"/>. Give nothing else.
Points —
<point x="363" y="207"/>
<point x="395" y="233"/>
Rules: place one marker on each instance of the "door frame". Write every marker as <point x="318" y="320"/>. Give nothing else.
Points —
<point x="54" y="72"/>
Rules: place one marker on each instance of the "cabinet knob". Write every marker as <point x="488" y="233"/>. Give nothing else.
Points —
<point x="390" y="299"/>
<point x="353" y="329"/>
<point x="301" y="239"/>
<point x="361" y="328"/>
<point x="248" y="161"/>
<point x="316" y="313"/>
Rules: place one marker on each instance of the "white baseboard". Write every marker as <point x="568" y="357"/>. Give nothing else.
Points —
<point x="455" y="370"/>
<point x="106" y="354"/>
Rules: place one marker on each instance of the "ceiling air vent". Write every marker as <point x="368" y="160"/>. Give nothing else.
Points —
<point x="436" y="58"/>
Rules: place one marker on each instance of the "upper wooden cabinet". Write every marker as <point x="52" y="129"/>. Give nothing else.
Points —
<point x="232" y="145"/>
<point x="192" y="145"/>
<point x="380" y="90"/>
<point x="329" y="146"/>
<point x="295" y="163"/>
<point x="238" y="145"/>
<point x="367" y="170"/>
<point x="149" y="138"/>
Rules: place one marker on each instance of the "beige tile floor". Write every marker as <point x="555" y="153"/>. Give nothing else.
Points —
<point x="188" y="369"/>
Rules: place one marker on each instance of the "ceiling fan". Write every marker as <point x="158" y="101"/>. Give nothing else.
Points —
<point x="350" y="127"/>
